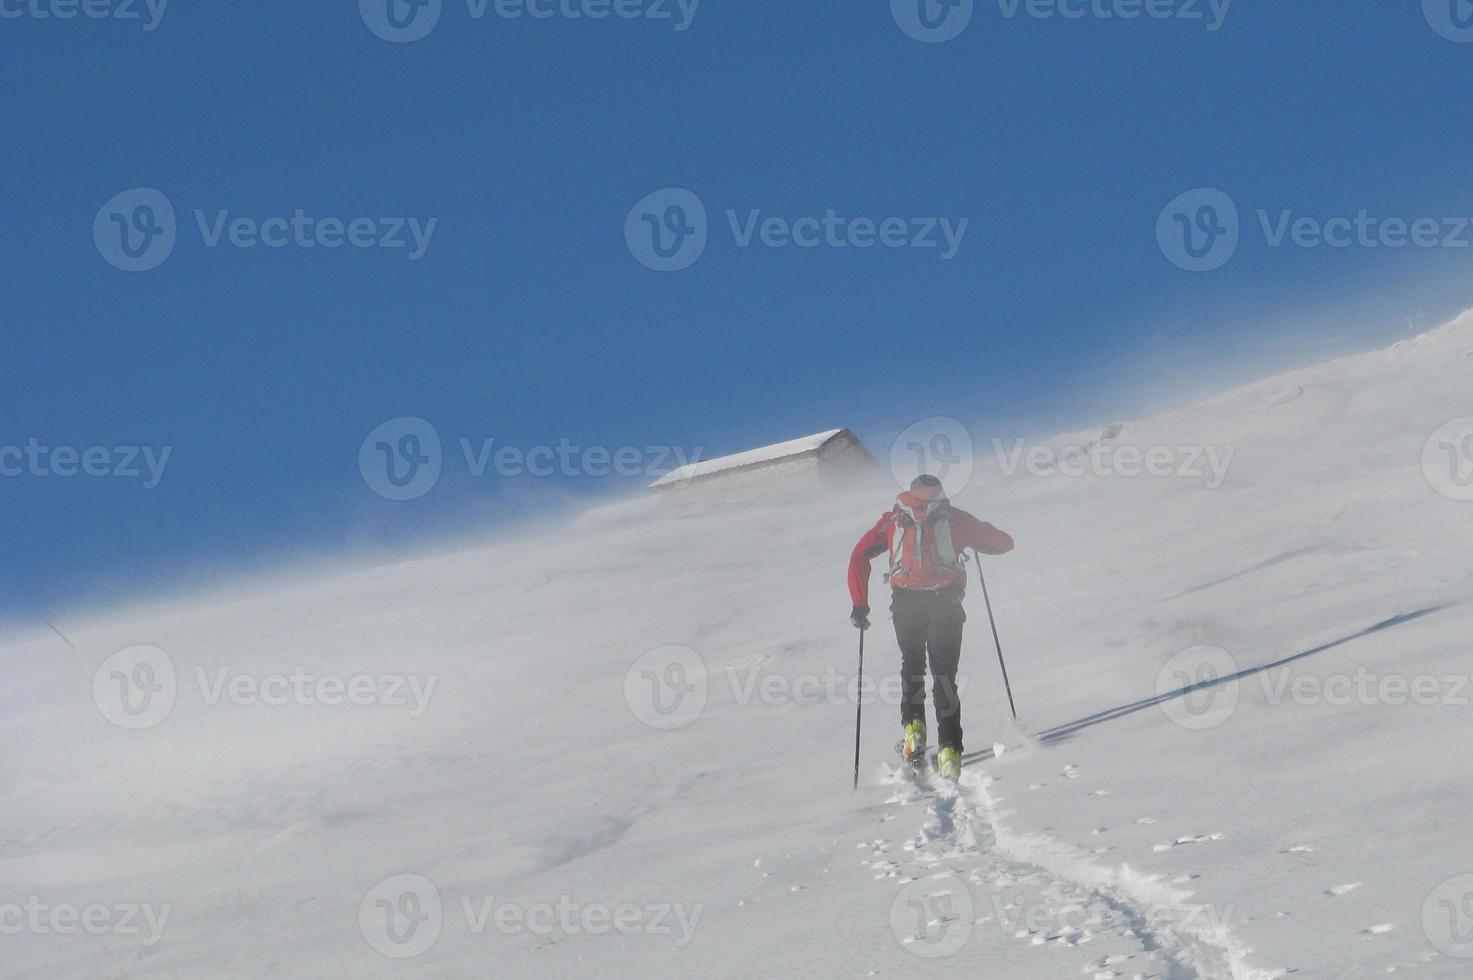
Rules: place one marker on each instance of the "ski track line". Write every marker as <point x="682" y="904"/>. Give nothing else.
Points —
<point x="949" y="819"/>
<point x="1190" y="934"/>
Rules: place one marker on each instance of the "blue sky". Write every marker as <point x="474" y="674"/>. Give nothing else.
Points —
<point x="523" y="315"/>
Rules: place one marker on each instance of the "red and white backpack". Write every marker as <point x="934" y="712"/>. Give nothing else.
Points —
<point x="922" y="555"/>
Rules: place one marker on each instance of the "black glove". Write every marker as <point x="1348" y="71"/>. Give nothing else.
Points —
<point x="860" y="617"/>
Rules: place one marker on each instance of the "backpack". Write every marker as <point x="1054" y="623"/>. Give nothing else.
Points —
<point x="922" y="555"/>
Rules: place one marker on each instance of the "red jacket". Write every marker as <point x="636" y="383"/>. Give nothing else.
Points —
<point x="966" y="532"/>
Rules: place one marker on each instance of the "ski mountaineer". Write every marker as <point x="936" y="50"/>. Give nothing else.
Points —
<point x="925" y="537"/>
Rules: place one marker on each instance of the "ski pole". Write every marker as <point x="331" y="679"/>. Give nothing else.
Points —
<point x="858" y="708"/>
<point x="996" y="642"/>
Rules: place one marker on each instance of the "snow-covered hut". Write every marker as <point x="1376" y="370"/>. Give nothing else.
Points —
<point x="835" y="452"/>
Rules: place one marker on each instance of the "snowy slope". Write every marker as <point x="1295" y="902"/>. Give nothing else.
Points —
<point x="524" y="775"/>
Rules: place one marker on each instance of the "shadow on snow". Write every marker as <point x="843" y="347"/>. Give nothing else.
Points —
<point x="1061" y="732"/>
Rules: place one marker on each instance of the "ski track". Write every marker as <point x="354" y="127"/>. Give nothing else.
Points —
<point x="1026" y="901"/>
<point x="1193" y="937"/>
<point x="965" y="832"/>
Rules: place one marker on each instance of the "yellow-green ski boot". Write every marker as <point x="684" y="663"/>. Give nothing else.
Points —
<point x="913" y="745"/>
<point x="949" y="763"/>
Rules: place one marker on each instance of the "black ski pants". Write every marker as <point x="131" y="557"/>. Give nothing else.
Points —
<point x="928" y="625"/>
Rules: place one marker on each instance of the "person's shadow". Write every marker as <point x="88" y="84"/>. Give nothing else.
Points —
<point x="1061" y="732"/>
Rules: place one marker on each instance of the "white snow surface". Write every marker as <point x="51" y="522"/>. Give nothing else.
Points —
<point x="1297" y="837"/>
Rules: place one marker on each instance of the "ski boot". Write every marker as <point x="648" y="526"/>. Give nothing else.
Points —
<point x="949" y="763"/>
<point x="913" y="746"/>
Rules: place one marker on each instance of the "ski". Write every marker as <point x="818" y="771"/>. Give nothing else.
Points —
<point x="918" y="768"/>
